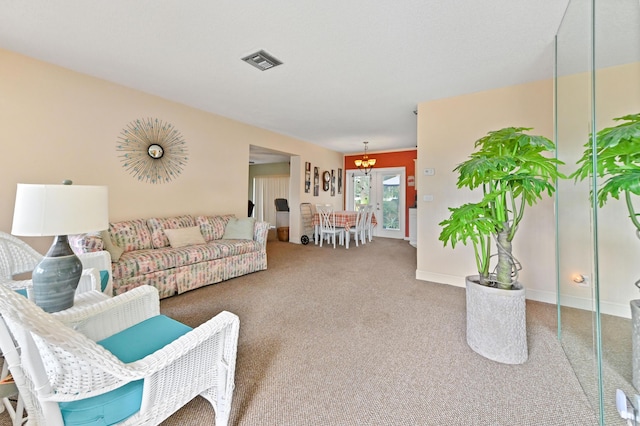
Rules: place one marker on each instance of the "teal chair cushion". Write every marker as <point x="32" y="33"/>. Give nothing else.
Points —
<point x="104" y="279"/>
<point x="129" y="345"/>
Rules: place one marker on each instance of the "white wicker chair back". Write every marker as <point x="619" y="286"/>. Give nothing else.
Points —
<point x="16" y="257"/>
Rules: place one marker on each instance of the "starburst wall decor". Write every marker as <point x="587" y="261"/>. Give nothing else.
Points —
<point x="153" y="150"/>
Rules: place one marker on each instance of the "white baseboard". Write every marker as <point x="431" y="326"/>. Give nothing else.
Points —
<point x="608" y="308"/>
<point x="440" y="278"/>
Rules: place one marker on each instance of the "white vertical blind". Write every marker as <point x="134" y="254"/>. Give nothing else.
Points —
<point x="265" y="191"/>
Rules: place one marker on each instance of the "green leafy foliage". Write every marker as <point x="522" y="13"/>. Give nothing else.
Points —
<point x="513" y="171"/>
<point x="617" y="160"/>
<point x="470" y="222"/>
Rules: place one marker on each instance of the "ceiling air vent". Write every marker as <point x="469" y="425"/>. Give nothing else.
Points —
<point x="262" y="60"/>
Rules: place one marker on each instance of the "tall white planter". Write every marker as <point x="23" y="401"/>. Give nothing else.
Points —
<point x="497" y="322"/>
<point x="635" y="343"/>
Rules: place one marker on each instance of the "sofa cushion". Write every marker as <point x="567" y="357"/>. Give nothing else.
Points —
<point x="141" y="262"/>
<point x="131" y="234"/>
<point x="145" y="262"/>
<point x="239" y="229"/>
<point x="228" y="248"/>
<point x="158" y="225"/>
<point x="218" y="249"/>
<point x="212" y="227"/>
<point x="183" y="237"/>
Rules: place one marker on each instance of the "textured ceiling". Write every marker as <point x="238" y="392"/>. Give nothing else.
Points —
<point x="353" y="70"/>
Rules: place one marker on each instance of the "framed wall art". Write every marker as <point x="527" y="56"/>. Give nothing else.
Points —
<point x="152" y="150"/>
<point x="307" y="177"/>
<point x="333" y="183"/>
<point x="316" y="181"/>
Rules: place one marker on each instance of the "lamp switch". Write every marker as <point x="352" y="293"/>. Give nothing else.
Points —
<point x="429" y="171"/>
<point x="427" y="198"/>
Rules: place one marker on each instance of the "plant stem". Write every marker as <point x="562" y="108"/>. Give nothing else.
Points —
<point x="505" y="265"/>
<point x="632" y="211"/>
<point x="516" y="217"/>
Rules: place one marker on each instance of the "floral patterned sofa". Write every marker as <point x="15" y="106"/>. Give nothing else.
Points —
<point x="179" y="253"/>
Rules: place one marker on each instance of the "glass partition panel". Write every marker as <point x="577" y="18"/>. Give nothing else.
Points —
<point x="617" y="93"/>
<point x="575" y="244"/>
<point x="597" y="80"/>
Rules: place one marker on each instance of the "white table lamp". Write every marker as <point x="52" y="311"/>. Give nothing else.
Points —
<point x="58" y="210"/>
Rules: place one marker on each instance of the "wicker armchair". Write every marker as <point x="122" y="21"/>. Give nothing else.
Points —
<point x="156" y="371"/>
<point x="17" y="257"/>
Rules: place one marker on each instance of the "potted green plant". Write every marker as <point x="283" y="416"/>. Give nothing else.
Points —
<point x="514" y="170"/>
<point x="618" y="163"/>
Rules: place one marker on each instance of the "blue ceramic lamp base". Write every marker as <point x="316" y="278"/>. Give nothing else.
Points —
<point x="56" y="277"/>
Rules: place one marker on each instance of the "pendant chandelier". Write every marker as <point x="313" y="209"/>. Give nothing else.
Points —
<point x="365" y="163"/>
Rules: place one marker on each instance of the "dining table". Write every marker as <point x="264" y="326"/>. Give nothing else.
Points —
<point x="344" y="219"/>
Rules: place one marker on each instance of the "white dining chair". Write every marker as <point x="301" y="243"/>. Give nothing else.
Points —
<point x="357" y="230"/>
<point x="316" y="210"/>
<point x="328" y="227"/>
<point x="367" y="233"/>
<point x="324" y="207"/>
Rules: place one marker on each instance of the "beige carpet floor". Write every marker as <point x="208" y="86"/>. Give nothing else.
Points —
<point x="339" y="337"/>
<point x="578" y="343"/>
<point x="350" y="337"/>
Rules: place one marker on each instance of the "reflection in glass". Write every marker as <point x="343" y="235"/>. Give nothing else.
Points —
<point x="597" y="79"/>
<point x="361" y="190"/>
<point x="391" y="201"/>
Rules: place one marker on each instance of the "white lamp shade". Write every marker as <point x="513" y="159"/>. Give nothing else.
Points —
<point x="47" y="210"/>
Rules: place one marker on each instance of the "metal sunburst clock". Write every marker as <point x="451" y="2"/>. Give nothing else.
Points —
<point x="152" y="150"/>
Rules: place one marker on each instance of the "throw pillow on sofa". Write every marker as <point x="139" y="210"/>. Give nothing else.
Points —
<point x="212" y="227"/>
<point x="114" y="250"/>
<point x="239" y="229"/>
<point x="158" y="225"/>
<point x="183" y="237"/>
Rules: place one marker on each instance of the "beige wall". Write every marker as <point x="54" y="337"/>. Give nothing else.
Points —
<point x="447" y="130"/>
<point x="617" y="94"/>
<point x="58" y="124"/>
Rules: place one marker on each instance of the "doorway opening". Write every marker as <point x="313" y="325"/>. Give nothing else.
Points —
<point x="385" y="190"/>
